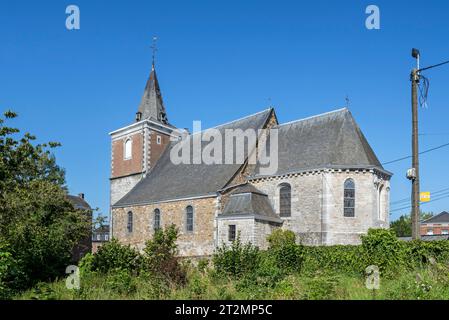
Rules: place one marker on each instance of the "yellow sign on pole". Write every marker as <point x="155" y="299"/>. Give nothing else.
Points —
<point x="424" y="197"/>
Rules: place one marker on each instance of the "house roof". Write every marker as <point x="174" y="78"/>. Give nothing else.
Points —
<point x="78" y="202"/>
<point x="329" y="140"/>
<point x="169" y="181"/>
<point x="248" y="200"/>
<point x="442" y="217"/>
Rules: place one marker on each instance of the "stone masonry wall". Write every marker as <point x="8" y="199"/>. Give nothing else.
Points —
<point x="317" y="205"/>
<point x="121" y="186"/>
<point x="197" y="243"/>
<point x="305" y="219"/>
<point x="243" y="227"/>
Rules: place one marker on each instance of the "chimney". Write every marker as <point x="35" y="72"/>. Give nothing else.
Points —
<point x="81" y="195"/>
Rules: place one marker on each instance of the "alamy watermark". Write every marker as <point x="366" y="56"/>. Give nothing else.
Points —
<point x="73" y="280"/>
<point x="373" y="20"/>
<point x="372" y="277"/>
<point x="72" y="22"/>
<point x="228" y="146"/>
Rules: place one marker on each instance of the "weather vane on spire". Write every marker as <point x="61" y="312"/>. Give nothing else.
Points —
<point x="154" y="47"/>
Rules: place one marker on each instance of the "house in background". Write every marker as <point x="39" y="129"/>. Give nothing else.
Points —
<point x="100" y="235"/>
<point x="85" y="245"/>
<point x="436" y="225"/>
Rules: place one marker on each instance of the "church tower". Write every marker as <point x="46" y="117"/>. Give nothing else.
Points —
<point x="136" y="147"/>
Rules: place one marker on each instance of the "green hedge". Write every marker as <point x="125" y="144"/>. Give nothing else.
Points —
<point x="340" y="258"/>
<point x="379" y="247"/>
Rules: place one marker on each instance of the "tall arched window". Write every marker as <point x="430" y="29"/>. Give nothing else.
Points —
<point x="128" y="149"/>
<point x="189" y="218"/>
<point x="380" y="203"/>
<point x="130" y="222"/>
<point x="157" y="219"/>
<point x="349" y="198"/>
<point x="285" y="200"/>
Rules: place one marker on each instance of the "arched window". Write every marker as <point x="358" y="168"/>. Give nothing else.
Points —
<point x="157" y="219"/>
<point x="130" y="222"/>
<point x="285" y="200"/>
<point x="128" y="149"/>
<point x="189" y="218"/>
<point x="380" y="203"/>
<point x="349" y="198"/>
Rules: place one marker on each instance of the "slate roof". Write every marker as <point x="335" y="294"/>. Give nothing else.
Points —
<point x="79" y="203"/>
<point x="330" y="140"/>
<point x="168" y="181"/>
<point x="152" y="105"/>
<point x="248" y="200"/>
<point x="442" y="217"/>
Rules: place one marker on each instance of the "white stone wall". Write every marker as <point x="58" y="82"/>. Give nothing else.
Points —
<point x="244" y="226"/>
<point x="306" y="192"/>
<point x="317" y="205"/>
<point x="262" y="229"/>
<point x="121" y="186"/>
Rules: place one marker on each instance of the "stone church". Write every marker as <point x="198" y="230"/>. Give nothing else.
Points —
<point x="329" y="187"/>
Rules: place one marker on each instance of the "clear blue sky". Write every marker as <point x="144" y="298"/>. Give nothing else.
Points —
<point x="218" y="61"/>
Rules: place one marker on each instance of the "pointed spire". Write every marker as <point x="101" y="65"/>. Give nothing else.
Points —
<point x="151" y="105"/>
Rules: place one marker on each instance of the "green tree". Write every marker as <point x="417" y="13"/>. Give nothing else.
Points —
<point x="402" y="227"/>
<point x="39" y="224"/>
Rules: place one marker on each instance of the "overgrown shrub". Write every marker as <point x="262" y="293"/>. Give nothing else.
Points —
<point x="383" y="249"/>
<point x="113" y="255"/>
<point x="203" y="264"/>
<point x="237" y="260"/>
<point x="11" y="275"/>
<point x="283" y="247"/>
<point x="334" y="259"/>
<point x="121" y="281"/>
<point x="420" y="252"/>
<point x="160" y="255"/>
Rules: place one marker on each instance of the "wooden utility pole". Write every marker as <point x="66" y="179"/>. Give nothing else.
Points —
<point x="415" y="157"/>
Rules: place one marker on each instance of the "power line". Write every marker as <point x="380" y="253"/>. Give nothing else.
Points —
<point x="407" y="207"/>
<point x="422" y="152"/>
<point x="435" y="65"/>
<point x="408" y="199"/>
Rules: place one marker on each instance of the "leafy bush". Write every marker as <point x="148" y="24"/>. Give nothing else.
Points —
<point x="237" y="260"/>
<point x="86" y="264"/>
<point x="420" y="252"/>
<point x="160" y="255"/>
<point x="203" y="264"/>
<point x="121" y="281"/>
<point x="334" y="259"/>
<point x="283" y="247"/>
<point x="8" y="271"/>
<point x="383" y="249"/>
<point x="113" y="255"/>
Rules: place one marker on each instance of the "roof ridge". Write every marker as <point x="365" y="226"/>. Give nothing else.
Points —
<point x="229" y="122"/>
<point x="313" y="117"/>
